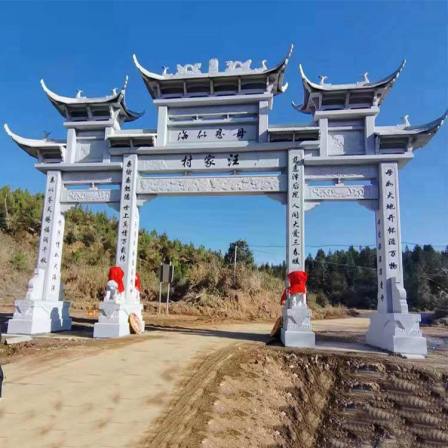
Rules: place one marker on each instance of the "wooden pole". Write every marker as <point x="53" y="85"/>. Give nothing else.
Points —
<point x="234" y="263"/>
<point x="160" y="297"/>
<point x="168" y="298"/>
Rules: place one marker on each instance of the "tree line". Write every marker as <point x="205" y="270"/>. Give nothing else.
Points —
<point x="348" y="277"/>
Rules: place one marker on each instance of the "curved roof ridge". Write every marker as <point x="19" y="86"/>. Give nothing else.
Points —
<point x="172" y="76"/>
<point x="31" y="146"/>
<point x="31" y="141"/>
<point x="390" y="79"/>
<point x="432" y="127"/>
<point x="145" y="71"/>
<point x="115" y="96"/>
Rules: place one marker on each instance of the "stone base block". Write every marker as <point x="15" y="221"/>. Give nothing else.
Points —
<point x="298" y="338"/>
<point x="113" y="321"/>
<point x="40" y="316"/>
<point x="296" y="331"/>
<point x="397" y="333"/>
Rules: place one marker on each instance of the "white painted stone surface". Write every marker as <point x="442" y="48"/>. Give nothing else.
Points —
<point x="113" y="321"/>
<point x="296" y="331"/>
<point x="341" y="192"/>
<point x="212" y="185"/>
<point x="205" y="125"/>
<point x="43" y="309"/>
<point x="212" y="161"/>
<point x="392" y="328"/>
<point x="116" y="308"/>
<point x="90" y="196"/>
<point x="39" y="316"/>
<point x="295" y="218"/>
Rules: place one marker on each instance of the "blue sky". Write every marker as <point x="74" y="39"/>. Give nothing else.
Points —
<point x="89" y="45"/>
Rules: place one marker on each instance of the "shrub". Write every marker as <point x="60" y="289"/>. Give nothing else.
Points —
<point x="19" y="261"/>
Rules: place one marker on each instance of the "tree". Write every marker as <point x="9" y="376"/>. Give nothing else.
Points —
<point x="243" y="253"/>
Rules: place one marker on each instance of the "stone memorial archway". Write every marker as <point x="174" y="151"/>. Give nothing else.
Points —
<point x="213" y="137"/>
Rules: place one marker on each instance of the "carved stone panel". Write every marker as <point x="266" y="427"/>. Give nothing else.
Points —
<point x="90" y="196"/>
<point x="90" y="147"/>
<point x="212" y="161"/>
<point x="341" y="192"/>
<point x="345" y="142"/>
<point x="212" y="185"/>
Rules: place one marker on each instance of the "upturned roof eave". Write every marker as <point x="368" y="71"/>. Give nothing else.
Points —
<point x="418" y="136"/>
<point x="385" y="82"/>
<point x="74" y="101"/>
<point x="61" y="102"/>
<point x="280" y="68"/>
<point x="32" y="146"/>
<point x="428" y="128"/>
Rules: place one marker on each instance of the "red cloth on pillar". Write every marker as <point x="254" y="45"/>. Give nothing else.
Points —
<point x="297" y="282"/>
<point x="116" y="274"/>
<point x="297" y="285"/>
<point x="283" y="299"/>
<point x="138" y="282"/>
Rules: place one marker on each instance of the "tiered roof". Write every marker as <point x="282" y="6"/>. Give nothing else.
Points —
<point x="362" y="94"/>
<point x="237" y="79"/>
<point x="405" y="136"/>
<point x="96" y="108"/>
<point x="45" y="148"/>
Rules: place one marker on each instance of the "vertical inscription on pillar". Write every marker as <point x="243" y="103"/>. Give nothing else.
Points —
<point x="388" y="235"/>
<point x="52" y="233"/>
<point x="379" y="262"/>
<point x="295" y="211"/>
<point x="128" y="225"/>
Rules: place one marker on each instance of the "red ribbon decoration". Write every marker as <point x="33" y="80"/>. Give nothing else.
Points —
<point x="116" y="274"/>
<point x="138" y="282"/>
<point x="297" y="285"/>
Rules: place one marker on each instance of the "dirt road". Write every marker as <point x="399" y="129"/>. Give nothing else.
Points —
<point x="111" y="393"/>
<point x="106" y="395"/>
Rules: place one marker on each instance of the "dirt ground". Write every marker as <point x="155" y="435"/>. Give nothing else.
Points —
<point x="273" y="397"/>
<point x="189" y="383"/>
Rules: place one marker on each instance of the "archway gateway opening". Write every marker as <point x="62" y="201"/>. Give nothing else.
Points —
<point x="213" y="138"/>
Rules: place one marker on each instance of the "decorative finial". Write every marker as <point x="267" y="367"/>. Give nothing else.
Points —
<point x="238" y="66"/>
<point x="406" y="123"/>
<point x="79" y="93"/>
<point x="366" y="77"/>
<point x="213" y="65"/>
<point x="46" y="135"/>
<point x="189" y="69"/>
<point x="322" y="78"/>
<point x="264" y="64"/>
<point x="165" y="70"/>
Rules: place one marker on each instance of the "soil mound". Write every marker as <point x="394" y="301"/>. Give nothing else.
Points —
<point x="272" y="397"/>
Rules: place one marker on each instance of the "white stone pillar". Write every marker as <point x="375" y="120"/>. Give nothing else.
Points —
<point x="296" y="331"/>
<point x="114" y="314"/>
<point x="43" y="309"/>
<point x="392" y="327"/>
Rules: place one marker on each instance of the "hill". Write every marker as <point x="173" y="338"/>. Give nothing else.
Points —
<point x="204" y="281"/>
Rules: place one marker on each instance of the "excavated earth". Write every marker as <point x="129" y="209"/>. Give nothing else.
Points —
<point x="255" y="396"/>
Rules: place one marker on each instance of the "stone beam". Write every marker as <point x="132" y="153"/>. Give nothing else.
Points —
<point x="90" y="196"/>
<point x="351" y="172"/>
<point x="212" y="185"/>
<point x="211" y="161"/>
<point x="341" y="192"/>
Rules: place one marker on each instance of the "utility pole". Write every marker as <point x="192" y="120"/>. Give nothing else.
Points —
<point x="234" y="262"/>
<point x="6" y="213"/>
